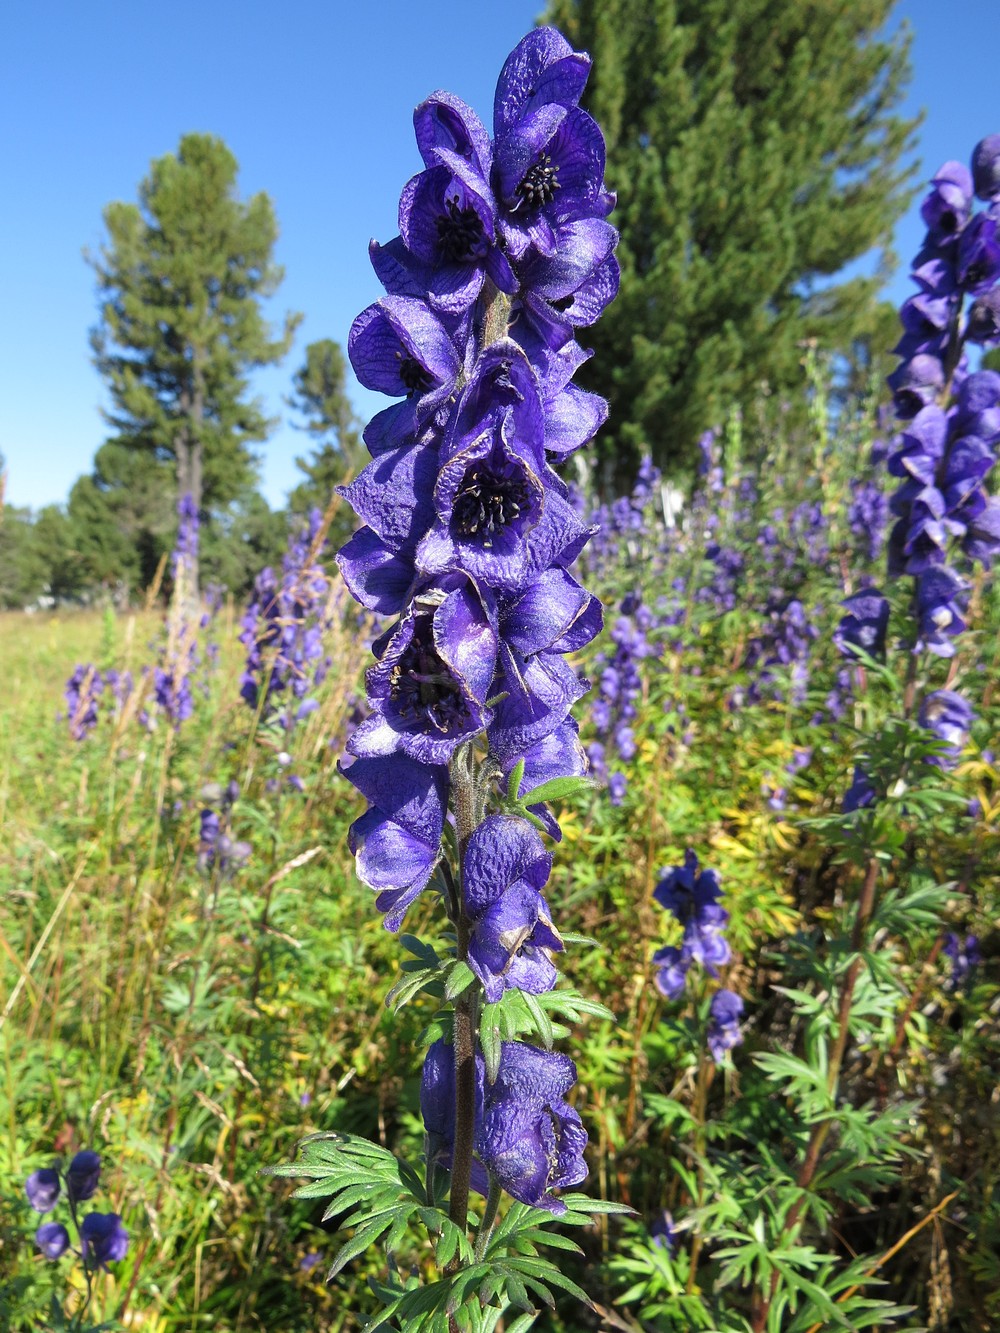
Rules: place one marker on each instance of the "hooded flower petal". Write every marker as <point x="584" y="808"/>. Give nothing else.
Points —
<point x="531" y="1140"/>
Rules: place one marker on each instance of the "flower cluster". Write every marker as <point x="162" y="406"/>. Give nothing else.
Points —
<point x="784" y="646"/>
<point x="692" y="897"/>
<point x="951" y="418"/>
<point x="619" y="690"/>
<point x="724" y="1016"/>
<point x="469" y="535"/>
<point x="103" y="1239"/>
<point x="82" y="693"/>
<point x="964" y="955"/>
<point x="185" y="553"/>
<point x="627" y="521"/>
<point x="218" y="851"/>
<point x="282" y="631"/>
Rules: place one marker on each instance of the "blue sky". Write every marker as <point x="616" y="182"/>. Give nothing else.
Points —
<point x="316" y="107"/>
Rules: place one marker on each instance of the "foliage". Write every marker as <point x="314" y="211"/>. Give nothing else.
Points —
<point x="756" y="151"/>
<point x="181" y="278"/>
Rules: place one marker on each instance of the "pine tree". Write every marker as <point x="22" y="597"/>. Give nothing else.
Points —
<point x="321" y="399"/>
<point x="181" y="279"/>
<point x="756" y="151"/>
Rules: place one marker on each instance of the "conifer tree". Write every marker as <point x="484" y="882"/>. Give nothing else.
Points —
<point x="180" y="279"/>
<point x="756" y="151"/>
<point x="321" y="400"/>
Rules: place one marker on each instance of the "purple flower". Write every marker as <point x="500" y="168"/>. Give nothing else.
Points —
<point x="672" y="966"/>
<point x="946" y="208"/>
<point x="81" y="693"/>
<point x="396" y="842"/>
<point x="986" y="168"/>
<point x="505" y="869"/>
<point x="531" y="1140"/>
<point x="948" y="717"/>
<point x="52" y="1239"/>
<point x="399" y="347"/>
<point x="103" y="1239"/>
<point x="984" y="319"/>
<point x="979" y="255"/>
<point x="42" y="1188"/>
<point x="686" y="892"/>
<point x="964" y="955"/>
<point x="864" y="623"/>
<point x="434" y="673"/>
<point x="861" y="792"/>
<point x="723" y="1032"/>
<point x="692" y="898"/>
<point x="941" y="602"/>
<point x="437" y="1107"/>
<point x="83" y="1176"/>
<point x="664" y="1232"/>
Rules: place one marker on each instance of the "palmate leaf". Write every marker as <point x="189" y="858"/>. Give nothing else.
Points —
<point x="382" y="1195"/>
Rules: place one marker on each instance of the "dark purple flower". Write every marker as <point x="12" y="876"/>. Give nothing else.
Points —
<point x="505" y="868"/>
<point x="916" y="384"/>
<point x="964" y="955"/>
<point x="693" y="898"/>
<point x="672" y="964"/>
<point x="664" y="1232"/>
<point x="948" y="717"/>
<point x="81" y="693"/>
<point x="548" y="170"/>
<point x="399" y="347"/>
<point x="986" y="168"/>
<point x="52" y="1239"/>
<point x="542" y="70"/>
<point x="531" y="1140"/>
<point x="979" y="255"/>
<point x="429" y="688"/>
<point x="83" y="1176"/>
<point x="397" y="840"/>
<point x="42" y="1188"/>
<point x="723" y="1032"/>
<point x="437" y="1107"/>
<point x="946" y="209"/>
<point x="103" y="1239"/>
<point x="861" y="792"/>
<point x="864" y="623"/>
<point x="984" y="319"/>
<point x="941" y="602"/>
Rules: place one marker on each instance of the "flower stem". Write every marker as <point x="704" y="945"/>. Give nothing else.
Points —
<point x="467" y="1007"/>
<point x="866" y="905"/>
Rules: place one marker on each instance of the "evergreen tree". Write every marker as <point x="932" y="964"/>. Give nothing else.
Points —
<point x="756" y="150"/>
<point x="321" y="399"/>
<point x="181" y="279"/>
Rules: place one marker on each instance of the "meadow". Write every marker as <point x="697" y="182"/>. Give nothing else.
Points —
<point x="191" y="1009"/>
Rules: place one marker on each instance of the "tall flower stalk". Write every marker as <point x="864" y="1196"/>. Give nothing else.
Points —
<point x="467" y="540"/>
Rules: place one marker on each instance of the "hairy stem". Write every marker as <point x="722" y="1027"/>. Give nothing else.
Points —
<point x="466" y="1009"/>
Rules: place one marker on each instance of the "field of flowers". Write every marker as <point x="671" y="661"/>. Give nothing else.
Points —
<point x="193" y="978"/>
<point x="771" y="874"/>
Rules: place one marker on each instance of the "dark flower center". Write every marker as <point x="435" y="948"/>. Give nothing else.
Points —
<point x="540" y="183"/>
<point x="424" y="690"/>
<point x="489" y="502"/>
<point x="416" y="378"/>
<point x="460" y="231"/>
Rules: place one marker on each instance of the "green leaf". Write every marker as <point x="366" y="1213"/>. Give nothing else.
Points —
<point x="556" y="789"/>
